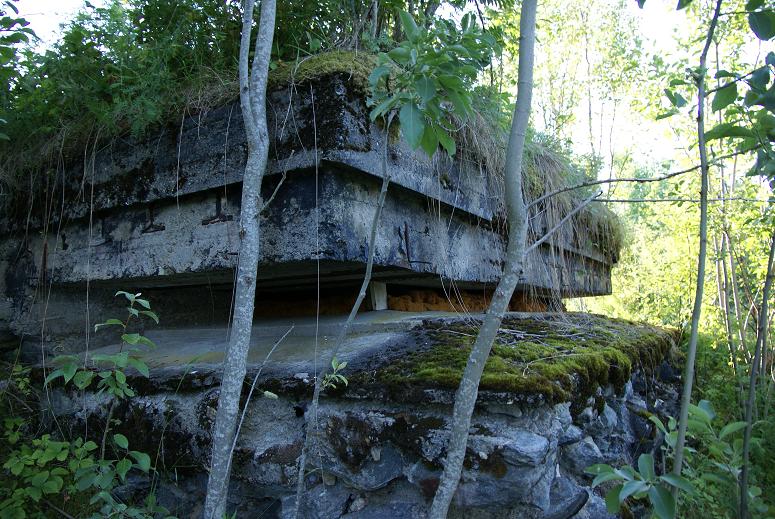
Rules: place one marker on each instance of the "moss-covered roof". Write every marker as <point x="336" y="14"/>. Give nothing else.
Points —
<point x="562" y="358"/>
<point x="356" y="65"/>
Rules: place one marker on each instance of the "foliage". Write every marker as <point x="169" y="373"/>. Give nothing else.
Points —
<point x="640" y="483"/>
<point x="13" y="32"/>
<point x="334" y="377"/>
<point x="58" y="473"/>
<point x="437" y="66"/>
<point x="713" y="462"/>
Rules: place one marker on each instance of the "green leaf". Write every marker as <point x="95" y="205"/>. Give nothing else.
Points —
<point x="142" y="459"/>
<point x="109" y="322"/>
<point x="721" y="131"/>
<point x="150" y="314"/>
<point x="675" y="98"/>
<point x="707" y="407"/>
<point x="409" y="26"/>
<point x="34" y="493"/>
<point x="599" y="468"/>
<point x="140" y="366"/>
<point x="127" y="295"/>
<point x="682" y="4"/>
<point x="131" y="338"/>
<point x="53" y="376"/>
<point x="760" y="77"/>
<point x="53" y="485"/>
<point x="412" y="124"/>
<point x="461" y="103"/>
<point x="429" y="143"/>
<point x="753" y="4"/>
<point x="667" y="114"/>
<point x="382" y="108"/>
<point x="612" y="499"/>
<point x="724" y="97"/>
<point x="762" y="24"/>
<point x="399" y="55"/>
<point x="426" y="88"/>
<point x="663" y="502"/>
<point x="631" y="488"/>
<point x="604" y="477"/>
<point x="38" y="479"/>
<point x="447" y="142"/>
<point x="731" y="428"/>
<point x="83" y="378"/>
<point x="646" y="467"/>
<point x="122" y="467"/>
<point x="678" y="482"/>
<point x="121" y="441"/>
<point x="378" y="73"/>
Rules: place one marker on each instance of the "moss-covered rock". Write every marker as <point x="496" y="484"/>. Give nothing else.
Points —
<point x="563" y="358"/>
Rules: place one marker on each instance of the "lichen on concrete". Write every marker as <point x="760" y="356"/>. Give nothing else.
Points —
<point x="558" y="359"/>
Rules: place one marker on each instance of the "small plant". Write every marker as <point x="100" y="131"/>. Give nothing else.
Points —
<point x="638" y="484"/>
<point x="76" y="474"/>
<point x="112" y="380"/>
<point x="713" y="460"/>
<point x="330" y="380"/>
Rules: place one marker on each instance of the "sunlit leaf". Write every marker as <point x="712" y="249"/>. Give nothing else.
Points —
<point x="724" y="97"/>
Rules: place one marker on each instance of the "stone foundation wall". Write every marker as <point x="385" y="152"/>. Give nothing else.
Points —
<point x="382" y="459"/>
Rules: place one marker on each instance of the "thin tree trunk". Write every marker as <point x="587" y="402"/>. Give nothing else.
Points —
<point x="761" y="344"/>
<point x="312" y="413"/>
<point x="253" y="104"/>
<point x="722" y="277"/>
<point x="467" y="392"/>
<point x="692" y="353"/>
<point x="374" y="18"/>
<point x="736" y="295"/>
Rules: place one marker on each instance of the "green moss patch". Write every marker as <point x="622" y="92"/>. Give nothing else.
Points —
<point x="559" y="359"/>
<point x="357" y="66"/>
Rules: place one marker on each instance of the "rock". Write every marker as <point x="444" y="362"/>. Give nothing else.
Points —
<point x="321" y="502"/>
<point x="526" y="448"/>
<point x="576" y="457"/>
<point x="571" y="435"/>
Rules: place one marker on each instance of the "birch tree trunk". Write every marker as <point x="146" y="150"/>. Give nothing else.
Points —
<point x="253" y="104"/>
<point x="468" y="390"/>
<point x="761" y="345"/>
<point x="686" y="396"/>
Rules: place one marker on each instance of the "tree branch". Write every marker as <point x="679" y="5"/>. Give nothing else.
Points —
<point x="592" y="183"/>
<point x="562" y="222"/>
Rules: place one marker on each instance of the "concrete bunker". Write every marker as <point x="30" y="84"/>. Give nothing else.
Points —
<point x="160" y="215"/>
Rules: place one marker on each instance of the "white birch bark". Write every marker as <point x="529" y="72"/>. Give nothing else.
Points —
<point x="253" y="104"/>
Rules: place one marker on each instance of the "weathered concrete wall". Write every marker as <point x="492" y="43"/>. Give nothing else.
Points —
<point x="378" y="452"/>
<point x="164" y="212"/>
